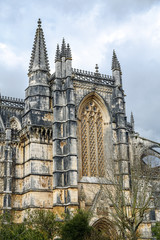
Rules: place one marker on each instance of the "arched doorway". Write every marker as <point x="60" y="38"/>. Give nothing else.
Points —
<point x="107" y="228"/>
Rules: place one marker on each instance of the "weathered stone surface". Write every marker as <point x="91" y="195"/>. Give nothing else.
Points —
<point x="58" y="147"/>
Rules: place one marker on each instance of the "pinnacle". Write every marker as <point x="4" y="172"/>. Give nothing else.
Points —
<point x="39" y="23"/>
<point x="68" y="52"/>
<point x="39" y="58"/>
<point x="132" y="121"/>
<point x="63" y="48"/>
<point x="65" y="51"/>
<point x="132" y="118"/>
<point x="58" y="55"/>
<point x="115" y="63"/>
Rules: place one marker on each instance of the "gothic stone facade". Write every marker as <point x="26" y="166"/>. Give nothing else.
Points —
<point x="57" y="145"/>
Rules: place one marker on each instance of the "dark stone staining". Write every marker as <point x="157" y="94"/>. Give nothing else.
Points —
<point x="5" y="201"/>
<point x="66" y="179"/>
<point x="58" y="199"/>
<point x="9" y="200"/>
<point x="5" y="184"/>
<point x="5" y="168"/>
<point x="68" y="197"/>
<point x="6" y="154"/>
<point x="59" y="179"/>
<point x="58" y="163"/>
<point x="152" y="215"/>
<point x="57" y="130"/>
<point x="38" y="118"/>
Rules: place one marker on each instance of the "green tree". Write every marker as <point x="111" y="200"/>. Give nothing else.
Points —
<point x="156" y="230"/>
<point x="9" y="229"/>
<point x="96" y="235"/>
<point x="39" y="225"/>
<point x="76" y="227"/>
<point x="43" y="222"/>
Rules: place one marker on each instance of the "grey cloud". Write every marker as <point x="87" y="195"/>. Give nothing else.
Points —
<point x="92" y="28"/>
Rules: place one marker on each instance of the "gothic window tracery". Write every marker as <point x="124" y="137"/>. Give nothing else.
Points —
<point x="92" y="150"/>
<point x="15" y="127"/>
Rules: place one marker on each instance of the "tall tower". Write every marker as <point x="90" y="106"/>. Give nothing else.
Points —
<point x="36" y="134"/>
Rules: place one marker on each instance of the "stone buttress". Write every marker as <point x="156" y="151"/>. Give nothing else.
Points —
<point x="7" y="171"/>
<point x="65" y="194"/>
<point x="120" y="126"/>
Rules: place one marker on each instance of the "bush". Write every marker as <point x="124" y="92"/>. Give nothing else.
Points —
<point x="39" y="225"/>
<point x="76" y="227"/>
<point x="156" y="230"/>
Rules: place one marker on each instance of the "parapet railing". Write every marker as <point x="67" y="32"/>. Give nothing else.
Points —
<point x="11" y="102"/>
<point x="93" y="77"/>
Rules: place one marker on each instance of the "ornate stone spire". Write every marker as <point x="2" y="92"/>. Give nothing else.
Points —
<point x="63" y="48"/>
<point x="68" y="52"/>
<point x="58" y="54"/>
<point x="39" y="58"/>
<point x="115" y="63"/>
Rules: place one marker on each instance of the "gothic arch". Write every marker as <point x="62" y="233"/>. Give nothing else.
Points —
<point x="15" y="123"/>
<point x="150" y="159"/>
<point x="105" y="226"/>
<point x="93" y="120"/>
<point x="100" y="102"/>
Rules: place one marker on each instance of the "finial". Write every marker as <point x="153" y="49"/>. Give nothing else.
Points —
<point x="96" y="68"/>
<point x="39" y="23"/>
<point x="63" y="48"/>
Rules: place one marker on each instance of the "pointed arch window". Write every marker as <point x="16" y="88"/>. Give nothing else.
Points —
<point x="15" y="127"/>
<point x="92" y="144"/>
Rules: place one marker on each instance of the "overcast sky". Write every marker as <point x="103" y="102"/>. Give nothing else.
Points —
<point x="93" y="28"/>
